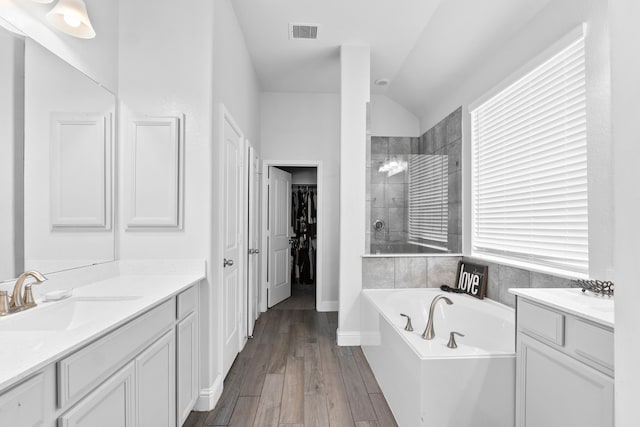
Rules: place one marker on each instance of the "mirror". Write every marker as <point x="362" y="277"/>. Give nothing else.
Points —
<point x="57" y="162"/>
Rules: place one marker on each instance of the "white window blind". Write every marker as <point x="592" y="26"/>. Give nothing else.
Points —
<point x="529" y="167"/>
<point x="428" y="193"/>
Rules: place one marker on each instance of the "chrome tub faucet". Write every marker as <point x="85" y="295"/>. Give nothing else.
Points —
<point x="429" y="333"/>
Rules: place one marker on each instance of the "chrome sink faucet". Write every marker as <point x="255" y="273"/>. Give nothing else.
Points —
<point x="429" y="333"/>
<point x="22" y="300"/>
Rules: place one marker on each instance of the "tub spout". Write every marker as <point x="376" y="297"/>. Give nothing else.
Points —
<point x="429" y="333"/>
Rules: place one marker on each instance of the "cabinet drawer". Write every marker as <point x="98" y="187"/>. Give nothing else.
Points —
<point x="591" y="342"/>
<point x="187" y="301"/>
<point x="541" y="322"/>
<point x="23" y="405"/>
<point x="84" y="370"/>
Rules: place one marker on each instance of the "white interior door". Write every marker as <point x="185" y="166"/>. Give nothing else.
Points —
<point x="232" y="275"/>
<point x="253" y="239"/>
<point x="279" y="268"/>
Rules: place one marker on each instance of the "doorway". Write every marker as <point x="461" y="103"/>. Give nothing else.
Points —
<point x="303" y="220"/>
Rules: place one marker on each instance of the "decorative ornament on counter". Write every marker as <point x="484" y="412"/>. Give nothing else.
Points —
<point x="472" y="279"/>
<point x="598" y="287"/>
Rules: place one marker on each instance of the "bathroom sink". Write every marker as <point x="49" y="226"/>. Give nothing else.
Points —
<point x="64" y="315"/>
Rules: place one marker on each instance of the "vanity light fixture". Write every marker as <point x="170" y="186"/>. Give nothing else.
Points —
<point x="70" y="16"/>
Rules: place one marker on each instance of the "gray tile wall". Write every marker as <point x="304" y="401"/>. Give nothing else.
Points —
<point x="387" y="196"/>
<point x="408" y="272"/>
<point x="431" y="272"/>
<point x="502" y="277"/>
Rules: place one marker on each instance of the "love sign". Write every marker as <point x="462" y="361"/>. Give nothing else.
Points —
<point x="472" y="279"/>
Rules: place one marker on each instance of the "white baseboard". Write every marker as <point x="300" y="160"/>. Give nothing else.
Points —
<point x="327" y="306"/>
<point x="209" y="396"/>
<point x="348" y="338"/>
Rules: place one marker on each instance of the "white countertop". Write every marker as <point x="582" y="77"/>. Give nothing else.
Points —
<point x="24" y="352"/>
<point x="572" y="300"/>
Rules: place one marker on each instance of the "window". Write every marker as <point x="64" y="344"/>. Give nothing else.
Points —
<point x="428" y="193"/>
<point x="529" y="167"/>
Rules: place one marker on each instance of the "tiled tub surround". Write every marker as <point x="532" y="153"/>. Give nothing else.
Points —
<point x="433" y="271"/>
<point x="408" y="272"/>
<point x="387" y="197"/>
<point x="502" y="277"/>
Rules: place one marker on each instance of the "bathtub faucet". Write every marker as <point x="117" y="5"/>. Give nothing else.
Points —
<point x="428" y="333"/>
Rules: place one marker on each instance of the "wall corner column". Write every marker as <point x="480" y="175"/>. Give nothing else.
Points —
<point x="355" y="62"/>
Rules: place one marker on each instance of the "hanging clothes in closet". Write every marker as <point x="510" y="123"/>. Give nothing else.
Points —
<point x="303" y="222"/>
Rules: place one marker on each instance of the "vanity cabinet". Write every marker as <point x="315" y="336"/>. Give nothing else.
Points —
<point x="187" y="353"/>
<point x="144" y="373"/>
<point x="112" y="404"/>
<point x="156" y="383"/>
<point x="24" y="404"/>
<point x="564" y="369"/>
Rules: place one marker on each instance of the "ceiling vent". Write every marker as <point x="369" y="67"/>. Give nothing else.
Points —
<point x="303" y="31"/>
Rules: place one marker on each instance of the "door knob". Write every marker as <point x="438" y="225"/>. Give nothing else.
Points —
<point x="227" y="262"/>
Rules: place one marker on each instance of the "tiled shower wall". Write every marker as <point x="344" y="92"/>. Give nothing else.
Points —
<point x="433" y="271"/>
<point x="387" y="196"/>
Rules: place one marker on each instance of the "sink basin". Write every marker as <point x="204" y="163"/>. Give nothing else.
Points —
<point x="64" y="315"/>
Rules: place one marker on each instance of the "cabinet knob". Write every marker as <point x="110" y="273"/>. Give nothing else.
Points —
<point x="227" y="262"/>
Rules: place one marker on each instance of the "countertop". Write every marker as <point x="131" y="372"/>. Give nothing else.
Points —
<point x="24" y="352"/>
<point x="572" y="300"/>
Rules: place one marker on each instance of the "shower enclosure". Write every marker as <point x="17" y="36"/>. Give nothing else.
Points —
<point x="414" y="191"/>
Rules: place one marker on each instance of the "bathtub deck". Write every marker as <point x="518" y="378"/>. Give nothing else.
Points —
<point x="292" y="374"/>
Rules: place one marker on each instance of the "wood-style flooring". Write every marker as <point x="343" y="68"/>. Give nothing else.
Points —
<point x="292" y="374"/>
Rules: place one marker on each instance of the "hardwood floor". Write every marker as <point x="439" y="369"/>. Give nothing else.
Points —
<point x="292" y="374"/>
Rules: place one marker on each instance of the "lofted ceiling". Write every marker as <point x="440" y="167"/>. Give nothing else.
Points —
<point x="422" y="46"/>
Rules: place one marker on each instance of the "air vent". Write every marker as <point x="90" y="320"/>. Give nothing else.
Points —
<point x="303" y="31"/>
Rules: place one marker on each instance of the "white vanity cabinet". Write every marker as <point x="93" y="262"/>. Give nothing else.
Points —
<point x="144" y="373"/>
<point x="187" y="353"/>
<point x="24" y="404"/>
<point x="564" y="369"/>
<point x="112" y="404"/>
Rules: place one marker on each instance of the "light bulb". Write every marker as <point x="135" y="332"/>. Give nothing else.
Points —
<point x="72" y="20"/>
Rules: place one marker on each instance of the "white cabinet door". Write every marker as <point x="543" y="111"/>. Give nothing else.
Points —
<point x="187" y="366"/>
<point x="155" y="383"/>
<point x="23" y="405"/>
<point x="111" y="405"/>
<point x="555" y="390"/>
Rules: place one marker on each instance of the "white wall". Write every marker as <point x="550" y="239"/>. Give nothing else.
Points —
<point x="553" y="22"/>
<point x="98" y="57"/>
<point x="165" y="58"/>
<point x="176" y="60"/>
<point x="235" y="83"/>
<point x="11" y="133"/>
<point x="388" y="118"/>
<point x="306" y="126"/>
<point x="625" y="69"/>
<point x="355" y="66"/>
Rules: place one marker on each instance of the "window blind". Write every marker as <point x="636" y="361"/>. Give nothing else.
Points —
<point x="428" y="204"/>
<point x="529" y="167"/>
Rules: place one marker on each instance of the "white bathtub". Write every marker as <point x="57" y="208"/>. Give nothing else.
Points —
<point x="425" y="382"/>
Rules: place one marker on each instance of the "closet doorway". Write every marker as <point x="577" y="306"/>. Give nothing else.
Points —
<point x="302" y="216"/>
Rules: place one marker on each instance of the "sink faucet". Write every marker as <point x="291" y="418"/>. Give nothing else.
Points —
<point x="428" y="333"/>
<point x="18" y="301"/>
